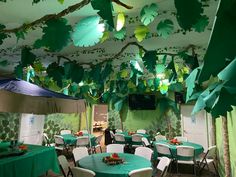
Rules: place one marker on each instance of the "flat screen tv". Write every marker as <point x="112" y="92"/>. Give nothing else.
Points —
<point x="142" y="102"/>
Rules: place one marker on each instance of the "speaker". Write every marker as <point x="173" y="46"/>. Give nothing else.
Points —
<point x="179" y="97"/>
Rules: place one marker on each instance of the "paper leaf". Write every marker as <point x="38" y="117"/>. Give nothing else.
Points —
<point x="88" y="32"/>
<point x="188" y="13"/>
<point x="148" y="13"/>
<point x="19" y="71"/>
<point x="118" y="105"/>
<point x="165" y="28"/>
<point x="164" y="88"/>
<point x="95" y="73"/>
<point x="27" y="57"/>
<point x="120" y="34"/>
<point x="20" y="35"/>
<point x="160" y="68"/>
<point x="229" y="72"/>
<point x="2" y="35"/>
<point x="149" y="60"/>
<point x="56" y="72"/>
<point x="201" y="24"/>
<point x="106" y="71"/>
<point x="104" y="8"/>
<point x="61" y="1"/>
<point x="141" y="32"/>
<point x="190" y="82"/>
<point x="105" y="36"/>
<point x="120" y="21"/>
<point x="56" y="35"/>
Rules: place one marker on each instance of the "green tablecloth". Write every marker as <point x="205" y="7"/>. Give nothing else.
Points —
<point x="71" y="139"/>
<point x="128" y="138"/>
<point x="132" y="162"/>
<point x="37" y="161"/>
<point x="197" y="147"/>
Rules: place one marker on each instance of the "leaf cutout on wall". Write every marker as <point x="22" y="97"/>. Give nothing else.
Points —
<point x="201" y="24"/>
<point x="120" y="34"/>
<point x="149" y="60"/>
<point x="27" y="57"/>
<point x="56" y="35"/>
<point x="148" y="13"/>
<point x="88" y="32"/>
<point x="104" y="8"/>
<point x="20" y="35"/>
<point x="188" y="13"/>
<point x="141" y="32"/>
<point x="2" y="35"/>
<point x="165" y="28"/>
<point x="120" y="21"/>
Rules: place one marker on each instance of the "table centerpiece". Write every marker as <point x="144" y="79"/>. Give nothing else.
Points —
<point x="113" y="159"/>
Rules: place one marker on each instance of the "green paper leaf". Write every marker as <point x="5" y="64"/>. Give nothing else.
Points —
<point x="27" y="57"/>
<point x="165" y="28"/>
<point x="61" y="1"/>
<point x="19" y="71"/>
<point x="229" y="72"/>
<point x="156" y="83"/>
<point x="141" y="32"/>
<point x="88" y="32"/>
<point x="120" y="34"/>
<point x="56" y="35"/>
<point x="95" y="73"/>
<point x="56" y="72"/>
<point x="201" y="24"/>
<point x="104" y="8"/>
<point x="148" y="13"/>
<point x="188" y="13"/>
<point x="2" y="35"/>
<point x="164" y="88"/>
<point x="20" y="35"/>
<point x="118" y="105"/>
<point x="4" y="63"/>
<point x="160" y="68"/>
<point x="105" y="36"/>
<point x="120" y="21"/>
<point x="106" y="71"/>
<point x="171" y="66"/>
<point x="149" y="60"/>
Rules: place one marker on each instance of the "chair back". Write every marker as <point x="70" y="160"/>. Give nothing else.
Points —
<point x="82" y="141"/>
<point x="141" y="131"/>
<point x="99" y="139"/>
<point x="163" y="149"/>
<point x="79" y="153"/>
<point x="185" y="151"/>
<point x="59" y="140"/>
<point x="46" y="139"/>
<point x="84" y="131"/>
<point x="81" y="172"/>
<point x="115" y="148"/>
<point x="64" y="165"/>
<point x="119" y="137"/>
<point x="143" y="172"/>
<point x="144" y="152"/>
<point x="145" y="141"/>
<point x="160" y="137"/>
<point x="64" y="132"/>
<point x="163" y="165"/>
<point x="112" y="134"/>
<point x="119" y="131"/>
<point x="137" y="138"/>
<point x="211" y="152"/>
<point x="181" y="138"/>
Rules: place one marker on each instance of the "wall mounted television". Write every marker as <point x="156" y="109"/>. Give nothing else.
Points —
<point x="142" y="102"/>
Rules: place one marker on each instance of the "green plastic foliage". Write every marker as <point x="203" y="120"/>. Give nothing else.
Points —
<point x="106" y="71"/>
<point x="73" y="71"/>
<point x="160" y="68"/>
<point x="148" y="13"/>
<point x="19" y="71"/>
<point x="164" y="88"/>
<point x="56" y="72"/>
<point x="2" y="35"/>
<point x="27" y="57"/>
<point x="120" y="34"/>
<point x="56" y="35"/>
<point x="149" y="60"/>
<point x="141" y="32"/>
<point x="104" y="8"/>
<point x="88" y="32"/>
<point x="165" y="28"/>
<point x="20" y="34"/>
<point x="201" y="24"/>
<point x="95" y="73"/>
<point x="188" y="13"/>
<point x="171" y="66"/>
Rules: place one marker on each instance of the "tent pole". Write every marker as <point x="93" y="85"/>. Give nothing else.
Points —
<point x="90" y="144"/>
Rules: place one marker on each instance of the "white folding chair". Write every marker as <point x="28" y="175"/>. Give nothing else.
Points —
<point x="119" y="138"/>
<point x="64" y="132"/>
<point x="82" y="141"/>
<point x="112" y="134"/>
<point x="98" y="144"/>
<point x="163" y="150"/>
<point x="188" y="153"/>
<point x="145" y="142"/>
<point x="81" y="172"/>
<point x="60" y="143"/>
<point x="160" y="137"/>
<point x="163" y="165"/>
<point x="143" y="172"/>
<point x="208" y="159"/>
<point x="115" y="148"/>
<point x="64" y="166"/>
<point x="119" y="131"/>
<point x="144" y="152"/>
<point x="181" y="138"/>
<point x="47" y="141"/>
<point x="137" y="140"/>
<point x="79" y="153"/>
<point x="141" y="131"/>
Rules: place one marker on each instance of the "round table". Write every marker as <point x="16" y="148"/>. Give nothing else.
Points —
<point x="132" y="162"/>
<point x="197" y="147"/>
<point x="71" y="139"/>
<point x="128" y="138"/>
